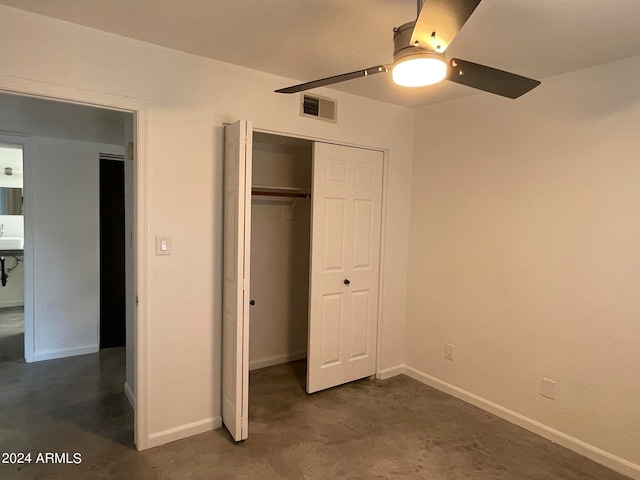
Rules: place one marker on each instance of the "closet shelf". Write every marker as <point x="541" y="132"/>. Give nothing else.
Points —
<point x="281" y="191"/>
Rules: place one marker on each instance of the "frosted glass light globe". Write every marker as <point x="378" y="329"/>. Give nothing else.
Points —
<point x="419" y="71"/>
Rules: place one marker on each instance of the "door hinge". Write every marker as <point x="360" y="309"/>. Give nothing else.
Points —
<point x="130" y="151"/>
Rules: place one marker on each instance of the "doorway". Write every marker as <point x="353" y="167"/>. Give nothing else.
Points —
<point x="11" y="251"/>
<point x="280" y="228"/>
<point x="61" y="234"/>
<point x="112" y="252"/>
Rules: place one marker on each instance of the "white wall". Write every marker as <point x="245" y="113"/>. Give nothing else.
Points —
<point x="188" y="98"/>
<point x="64" y="185"/>
<point x="524" y="255"/>
<point x="279" y="256"/>
<point x="10" y="157"/>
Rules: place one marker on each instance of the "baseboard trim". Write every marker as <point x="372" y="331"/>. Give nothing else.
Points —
<point x="65" y="352"/>
<point x="390" y="372"/>
<point x="277" y="360"/>
<point x="596" y="454"/>
<point x="11" y="303"/>
<point x="130" y="395"/>
<point x="184" y="431"/>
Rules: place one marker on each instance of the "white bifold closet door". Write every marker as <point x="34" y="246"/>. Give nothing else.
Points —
<point x="345" y="256"/>
<point x="344" y="272"/>
<point x="236" y="275"/>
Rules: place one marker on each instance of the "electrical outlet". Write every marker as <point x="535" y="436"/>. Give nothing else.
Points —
<point x="449" y="351"/>
<point x="548" y="388"/>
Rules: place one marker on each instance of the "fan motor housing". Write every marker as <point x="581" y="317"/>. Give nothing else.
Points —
<point x="402" y="44"/>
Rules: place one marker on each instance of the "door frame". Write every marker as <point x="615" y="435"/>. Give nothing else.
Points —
<point x="139" y="109"/>
<point x="383" y="223"/>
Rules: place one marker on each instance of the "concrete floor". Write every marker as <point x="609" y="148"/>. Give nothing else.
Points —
<point x="393" y="429"/>
<point x="11" y="334"/>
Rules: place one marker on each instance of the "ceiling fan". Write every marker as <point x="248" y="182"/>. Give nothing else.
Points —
<point x="419" y="60"/>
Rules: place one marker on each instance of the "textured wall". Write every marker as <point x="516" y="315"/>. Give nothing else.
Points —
<point x="524" y="252"/>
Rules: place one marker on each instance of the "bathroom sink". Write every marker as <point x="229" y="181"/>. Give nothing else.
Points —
<point x="11" y="243"/>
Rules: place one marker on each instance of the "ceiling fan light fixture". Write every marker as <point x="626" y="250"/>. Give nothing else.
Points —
<point x="419" y="70"/>
<point x="419" y="55"/>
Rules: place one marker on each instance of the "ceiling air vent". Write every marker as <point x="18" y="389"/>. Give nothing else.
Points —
<point x="319" y="107"/>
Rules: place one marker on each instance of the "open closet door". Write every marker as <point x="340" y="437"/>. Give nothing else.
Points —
<point x="235" y="288"/>
<point x="345" y="247"/>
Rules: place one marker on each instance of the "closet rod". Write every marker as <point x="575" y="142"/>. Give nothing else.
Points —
<point x="280" y="194"/>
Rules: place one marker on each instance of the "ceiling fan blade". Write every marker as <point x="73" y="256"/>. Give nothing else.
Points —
<point x="489" y="79"/>
<point x="440" y="21"/>
<point x="335" y="79"/>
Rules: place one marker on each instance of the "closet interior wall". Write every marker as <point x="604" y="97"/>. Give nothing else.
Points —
<point x="280" y="246"/>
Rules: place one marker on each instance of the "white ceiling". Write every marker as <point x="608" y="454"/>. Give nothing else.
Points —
<point x="309" y="39"/>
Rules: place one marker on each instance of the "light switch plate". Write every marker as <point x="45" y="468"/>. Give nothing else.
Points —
<point x="163" y="245"/>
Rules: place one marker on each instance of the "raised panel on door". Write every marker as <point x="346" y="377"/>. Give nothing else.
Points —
<point x="345" y="250"/>
<point x="332" y="311"/>
<point x="363" y="217"/>
<point x="236" y="268"/>
<point x="334" y="245"/>
<point x="361" y="321"/>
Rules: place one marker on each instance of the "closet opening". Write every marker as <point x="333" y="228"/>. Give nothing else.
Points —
<point x="280" y="249"/>
<point x="301" y="275"/>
